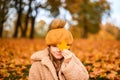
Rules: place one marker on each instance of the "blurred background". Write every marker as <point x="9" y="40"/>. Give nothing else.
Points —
<point x="95" y="25"/>
<point x="85" y="18"/>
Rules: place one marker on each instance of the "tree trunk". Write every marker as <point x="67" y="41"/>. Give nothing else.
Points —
<point x="33" y="23"/>
<point x="85" y="29"/>
<point x="1" y="30"/>
<point x="3" y="12"/>
<point x="27" y="20"/>
<point x="32" y="28"/>
<point x="1" y="24"/>
<point x="18" y="24"/>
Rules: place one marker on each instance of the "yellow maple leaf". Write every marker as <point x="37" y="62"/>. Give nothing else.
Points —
<point x="63" y="45"/>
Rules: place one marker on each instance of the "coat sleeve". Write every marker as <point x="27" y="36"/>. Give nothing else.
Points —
<point x="75" y="70"/>
<point x="34" y="72"/>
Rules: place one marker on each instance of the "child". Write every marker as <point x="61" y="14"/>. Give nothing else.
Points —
<point x="57" y="62"/>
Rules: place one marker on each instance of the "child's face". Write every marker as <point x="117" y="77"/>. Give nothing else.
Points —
<point x="55" y="51"/>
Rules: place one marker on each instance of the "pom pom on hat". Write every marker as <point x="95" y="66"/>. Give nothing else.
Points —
<point x="57" y="23"/>
<point x="58" y="33"/>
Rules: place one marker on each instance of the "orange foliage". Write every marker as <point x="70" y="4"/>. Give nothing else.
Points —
<point x="15" y="57"/>
<point x="101" y="58"/>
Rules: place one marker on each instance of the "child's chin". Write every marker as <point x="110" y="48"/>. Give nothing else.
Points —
<point x="58" y="57"/>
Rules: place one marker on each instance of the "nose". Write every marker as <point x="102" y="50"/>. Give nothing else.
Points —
<point x="58" y="49"/>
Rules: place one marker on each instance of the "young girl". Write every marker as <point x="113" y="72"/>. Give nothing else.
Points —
<point x="57" y="62"/>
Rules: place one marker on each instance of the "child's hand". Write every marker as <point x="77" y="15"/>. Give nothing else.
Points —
<point x="67" y="55"/>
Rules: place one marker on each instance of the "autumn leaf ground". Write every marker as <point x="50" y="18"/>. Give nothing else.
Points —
<point x="101" y="58"/>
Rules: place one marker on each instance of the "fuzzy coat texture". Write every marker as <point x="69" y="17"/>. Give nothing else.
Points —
<point x="43" y="69"/>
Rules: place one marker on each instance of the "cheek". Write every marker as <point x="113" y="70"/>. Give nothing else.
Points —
<point x="54" y="49"/>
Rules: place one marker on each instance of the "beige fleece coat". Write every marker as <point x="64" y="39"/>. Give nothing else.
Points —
<point x="43" y="69"/>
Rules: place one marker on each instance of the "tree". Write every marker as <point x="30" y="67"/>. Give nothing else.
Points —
<point x="3" y="13"/>
<point x="26" y="15"/>
<point x="113" y="30"/>
<point x="54" y="4"/>
<point x="33" y="17"/>
<point x="88" y="14"/>
<point x="19" y="8"/>
<point x="27" y="18"/>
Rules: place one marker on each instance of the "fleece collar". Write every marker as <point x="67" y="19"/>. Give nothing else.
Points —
<point x="44" y="58"/>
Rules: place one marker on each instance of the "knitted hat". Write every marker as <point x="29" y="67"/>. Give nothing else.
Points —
<point x="58" y="33"/>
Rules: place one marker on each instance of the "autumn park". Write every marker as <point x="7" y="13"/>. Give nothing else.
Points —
<point x="24" y="25"/>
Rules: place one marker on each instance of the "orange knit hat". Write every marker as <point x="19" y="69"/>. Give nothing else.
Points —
<point x="58" y="33"/>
